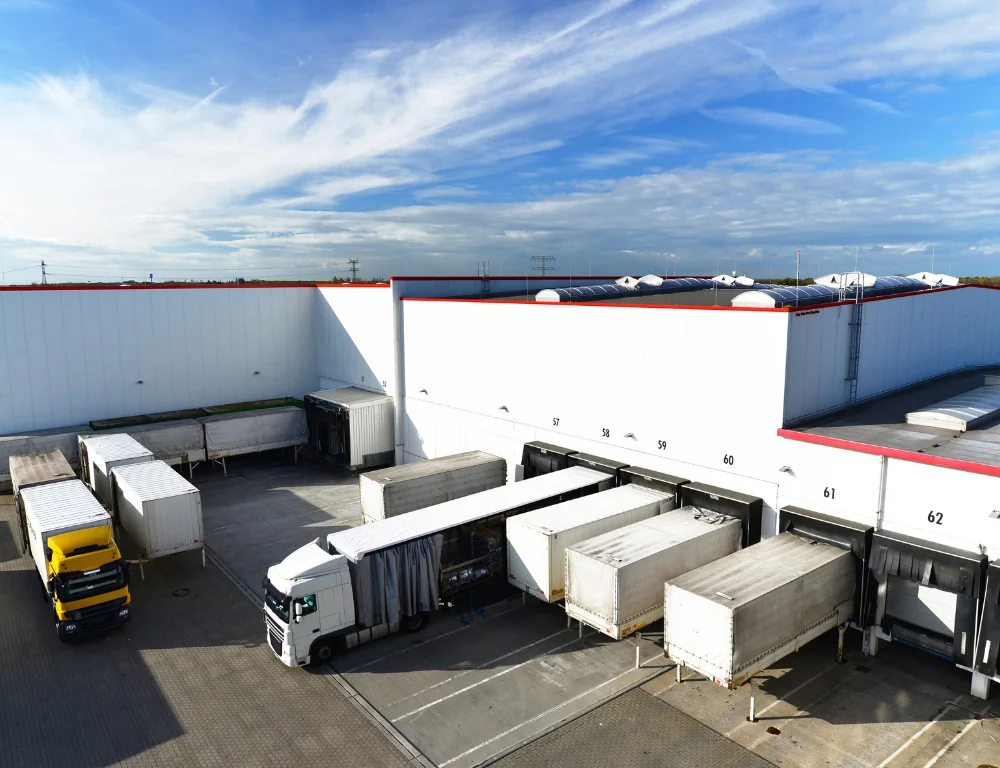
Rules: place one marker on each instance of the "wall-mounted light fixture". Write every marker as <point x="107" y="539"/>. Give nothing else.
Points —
<point x="256" y="373"/>
<point x="504" y="408"/>
<point x="785" y="469"/>
<point x="630" y="434"/>
<point x="424" y="391"/>
<point x="139" y="381"/>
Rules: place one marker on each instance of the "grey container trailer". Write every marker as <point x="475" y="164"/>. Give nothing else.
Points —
<point x="32" y="470"/>
<point x="732" y="618"/>
<point x="397" y="490"/>
<point x="62" y="439"/>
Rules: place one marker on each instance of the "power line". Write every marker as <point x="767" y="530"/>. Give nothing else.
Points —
<point x="200" y="269"/>
<point x="354" y="269"/>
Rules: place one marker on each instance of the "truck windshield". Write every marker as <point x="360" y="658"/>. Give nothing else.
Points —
<point x="77" y="585"/>
<point x="276" y="601"/>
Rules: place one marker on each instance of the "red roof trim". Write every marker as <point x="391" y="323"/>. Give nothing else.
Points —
<point x="602" y="304"/>
<point x="352" y="285"/>
<point x="522" y="278"/>
<point x="891" y="453"/>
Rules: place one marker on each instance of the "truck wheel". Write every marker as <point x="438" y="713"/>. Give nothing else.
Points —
<point x="414" y="623"/>
<point x="321" y="652"/>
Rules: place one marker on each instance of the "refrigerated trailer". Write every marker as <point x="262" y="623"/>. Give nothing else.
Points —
<point x="397" y="490"/>
<point x="159" y="509"/>
<point x="614" y="582"/>
<point x="99" y="454"/>
<point x="537" y="540"/>
<point x="370" y="580"/>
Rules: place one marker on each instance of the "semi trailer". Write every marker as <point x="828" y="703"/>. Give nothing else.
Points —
<point x="99" y="454"/>
<point x="397" y="490"/>
<point x="68" y="536"/>
<point x="371" y="580"/>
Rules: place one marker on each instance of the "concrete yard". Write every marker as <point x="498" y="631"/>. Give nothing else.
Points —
<point x="507" y="684"/>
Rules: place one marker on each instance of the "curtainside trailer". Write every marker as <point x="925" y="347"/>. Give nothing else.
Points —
<point x="537" y="541"/>
<point x="372" y="580"/>
<point x="253" y="431"/>
<point x="397" y="490"/>
<point x="614" y="582"/>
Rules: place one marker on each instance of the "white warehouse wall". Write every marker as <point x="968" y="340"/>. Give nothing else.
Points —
<point x="70" y="356"/>
<point x="354" y="337"/>
<point x="904" y="340"/>
<point x="706" y="383"/>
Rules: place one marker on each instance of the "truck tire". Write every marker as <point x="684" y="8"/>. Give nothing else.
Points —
<point x="321" y="651"/>
<point x="414" y="623"/>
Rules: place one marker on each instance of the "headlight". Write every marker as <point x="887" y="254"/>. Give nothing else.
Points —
<point x="123" y="613"/>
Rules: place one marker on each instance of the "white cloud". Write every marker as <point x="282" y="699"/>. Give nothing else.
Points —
<point x="776" y="120"/>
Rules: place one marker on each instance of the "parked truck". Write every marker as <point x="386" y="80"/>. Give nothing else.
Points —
<point x="68" y="535"/>
<point x="371" y="580"/>
<point x="397" y="490"/>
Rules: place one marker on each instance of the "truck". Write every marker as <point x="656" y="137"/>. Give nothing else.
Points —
<point x="99" y="454"/>
<point x="159" y="509"/>
<point x="614" y="582"/>
<point x="397" y="490"/>
<point x="537" y="541"/>
<point x="68" y="536"/>
<point x="371" y="580"/>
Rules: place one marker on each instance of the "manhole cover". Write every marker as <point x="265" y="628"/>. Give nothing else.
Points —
<point x="773" y="731"/>
<point x="182" y="592"/>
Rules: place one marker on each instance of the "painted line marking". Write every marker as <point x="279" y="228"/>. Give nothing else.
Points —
<point x="488" y="679"/>
<point x="425" y="643"/>
<point x="916" y="736"/>
<point x="954" y="740"/>
<point x="779" y="700"/>
<point x="473" y="669"/>
<point x="535" y="718"/>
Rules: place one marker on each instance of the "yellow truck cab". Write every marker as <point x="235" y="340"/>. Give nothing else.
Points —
<point x="69" y="537"/>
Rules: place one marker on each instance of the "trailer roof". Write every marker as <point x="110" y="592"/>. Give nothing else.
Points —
<point x="405" y="472"/>
<point x="355" y="543"/>
<point x="114" y="447"/>
<point x="587" y="509"/>
<point x="63" y="505"/>
<point x="349" y="396"/>
<point x="39" y="468"/>
<point x="640" y="540"/>
<point x="151" y="480"/>
<point x="746" y="575"/>
<point x="249" y="414"/>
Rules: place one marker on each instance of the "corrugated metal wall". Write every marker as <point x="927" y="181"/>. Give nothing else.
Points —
<point x="354" y="337"/>
<point x="904" y="340"/>
<point x="68" y="357"/>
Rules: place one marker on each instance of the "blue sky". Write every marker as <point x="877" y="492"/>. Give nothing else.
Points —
<point x="222" y="138"/>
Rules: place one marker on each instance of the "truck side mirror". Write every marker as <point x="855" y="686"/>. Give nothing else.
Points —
<point x="298" y="612"/>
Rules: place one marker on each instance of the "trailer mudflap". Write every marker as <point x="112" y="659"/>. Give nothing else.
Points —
<point x="988" y="641"/>
<point x="745" y="508"/>
<point x="657" y="481"/>
<point x="929" y="564"/>
<point x="845" y="534"/>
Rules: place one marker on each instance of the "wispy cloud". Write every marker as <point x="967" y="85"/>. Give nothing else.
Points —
<point x="778" y="121"/>
<point x="635" y="149"/>
<point x="442" y="192"/>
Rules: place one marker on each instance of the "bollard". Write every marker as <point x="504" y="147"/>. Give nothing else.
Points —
<point x="753" y="714"/>
<point x="841" y="630"/>
<point x="637" y="665"/>
<point x="678" y="672"/>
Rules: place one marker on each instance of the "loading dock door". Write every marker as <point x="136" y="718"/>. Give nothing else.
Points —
<point x="925" y="607"/>
<point x="988" y="641"/>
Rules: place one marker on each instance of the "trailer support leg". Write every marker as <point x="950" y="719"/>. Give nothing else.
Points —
<point x="637" y="664"/>
<point x="841" y="630"/>
<point x="224" y="472"/>
<point x="569" y="621"/>
<point x="203" y="558"/>
<point x="524" y="600"/>
<point x="753" y="702"/>
<point x="579" y="630"/>
<point x="142" y="573"/>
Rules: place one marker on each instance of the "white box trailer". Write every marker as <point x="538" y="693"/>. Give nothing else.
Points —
<point x="614" y="582"/>
<point x="352" y="427"/>
<point x="397" y="490"/>
<point x="99" y="454"/>
<point x="160" y="510"/>
<point x="537" y="541"/>
<point x="62" y="439"/>
<point x="263" y="429"/>
<point x="734" y="617"/>
<point x="181" y="441"/>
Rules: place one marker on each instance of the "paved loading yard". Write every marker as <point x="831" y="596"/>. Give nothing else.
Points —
<point x="195" y="684"/>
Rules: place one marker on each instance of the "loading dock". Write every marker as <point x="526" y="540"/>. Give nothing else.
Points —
<point x="538" y="458"/>
<point x="352" y="427"/>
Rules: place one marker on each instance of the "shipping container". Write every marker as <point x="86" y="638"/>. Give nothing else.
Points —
<point x="614" y="582"/>
<point x="732" y="618"/>
<point x="160" y="510"/>
<point x="62" y="439"/>
<point x="99" y="454"/>
<point x="537" y="541"/>
<point x="352" y="427"/>
<point x="236" y="434"/>
<point x="397" y="490"/>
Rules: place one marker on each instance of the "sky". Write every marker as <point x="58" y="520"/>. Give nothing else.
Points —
<point x="221" y="138"/>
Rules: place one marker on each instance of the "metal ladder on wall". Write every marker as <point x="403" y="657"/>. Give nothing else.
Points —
<point x="484" y="277"/>
<point x="854" y="350"/>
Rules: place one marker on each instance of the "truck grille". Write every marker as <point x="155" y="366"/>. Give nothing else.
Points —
<point x="274" y="634"/>
<point x="275" y="642"/>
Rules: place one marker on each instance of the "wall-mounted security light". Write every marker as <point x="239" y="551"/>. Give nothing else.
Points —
<point x="504" y="408"/>
<point x="139" y="381"/>
<point x="423" y="391"/>
<point x="630" y="434"/>
<point x="256" y="373"/>
<point x="785" y="469"/>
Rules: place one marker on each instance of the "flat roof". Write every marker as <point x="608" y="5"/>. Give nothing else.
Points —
<point x="881" y="424"/>
<point x="705" y="297"/>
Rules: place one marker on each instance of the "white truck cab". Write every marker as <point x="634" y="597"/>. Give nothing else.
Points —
<point x="308" y="604"/>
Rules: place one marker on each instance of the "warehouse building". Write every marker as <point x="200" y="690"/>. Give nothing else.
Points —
<point x="869" y="400"/>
